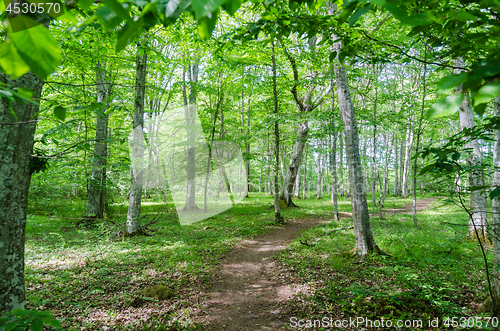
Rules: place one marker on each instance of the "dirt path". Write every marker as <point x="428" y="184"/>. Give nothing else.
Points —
<point x="248" y="292"/>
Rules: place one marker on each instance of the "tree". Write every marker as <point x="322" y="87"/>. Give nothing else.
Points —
<point x="97" y="183"/>
<point x="17" y="128"/>
<point x="137" y="144"/>
<point x="361" y="219"/>
<point x="190" y="114"/>
<point x="279" y="218"/>
<point x="478" y="197"/>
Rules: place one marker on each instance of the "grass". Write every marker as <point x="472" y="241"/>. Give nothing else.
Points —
<point x="433" y="271"/>
<point x="89" y="277"/>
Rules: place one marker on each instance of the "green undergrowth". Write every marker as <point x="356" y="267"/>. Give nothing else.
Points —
<point x="432" y="270"/>
<point x="88" y="276"/>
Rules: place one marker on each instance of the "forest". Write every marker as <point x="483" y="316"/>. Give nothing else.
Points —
<point x="249" y="165"/>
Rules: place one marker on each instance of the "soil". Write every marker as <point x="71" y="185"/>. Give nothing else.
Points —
<point x="249" y="292"/>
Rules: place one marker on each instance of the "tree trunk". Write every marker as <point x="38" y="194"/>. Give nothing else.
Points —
<point x="478" y="200"/>
<point x="137" y="169"/>
<point x="97" y="184"/>
<point x="297" y="185"/>
<point x="341" y="165"/>
<point x="190" y="115"/>
<point x="333" y="164"/>
<point x="495" y="226"/>
<point x="396" y="191"/>
<point x="419" y="133"/>
<point x="406" y="171"/>
<point x="16" y="167"/>
<point x="304" y="188"/>
<point x="319" y="172"/>
<point x="361" y="218"/>
<point x="295" y="160"/>
<point x="278" y="217"/>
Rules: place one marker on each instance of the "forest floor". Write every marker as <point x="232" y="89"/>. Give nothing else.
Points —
<point x="249" y="291"/>
<point x="239" y="270"/>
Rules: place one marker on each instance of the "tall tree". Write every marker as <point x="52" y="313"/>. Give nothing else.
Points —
<point x="137" y="169"/>
<point x="97" y="183"/>
<point x="278" y="217"/>
<point x="495" y="226"/>
<point x="17" y="164"/>
<point x="190" y="114"/>
<point x="478" y="197"/>
<point x="361" y="219"/>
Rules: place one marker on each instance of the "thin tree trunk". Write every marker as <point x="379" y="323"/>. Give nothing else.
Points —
<point x="341" y="165"/>
<point x="190" y="114"/>
<point x="16" y="167"/>
<point x="361" y="218"/>
<point x="419" y="133"/>
<point x="374" y="143"/>
<point x="319" y="172"/>
<point x="406" y="171"/>
<point x="278" y="217"/>
<point x="134" y="204"/>
<point x="333" y="164"/>
<point x="478" y="198"/>
<point x="97" y="184"/>
<point x="297" y="185"/>
<point x="495" y="226"/>
<point x="305" y="175"/>
<point x="396" y="166"/>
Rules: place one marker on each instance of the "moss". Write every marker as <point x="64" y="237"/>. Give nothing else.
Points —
<point x="160" y="292"/>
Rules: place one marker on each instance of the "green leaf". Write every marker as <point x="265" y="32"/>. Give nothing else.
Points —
<point x="332" y="56"/>
<point x="378" y="2"/>
<point x="231" y="6"/>
<point x="38" y="49"/>
<point x="358" y="13"/>
<point x="205" y="8"/>
<point x="206" y="26"/>
<point x="85" y="4"/>
<point x="110" y="20"/>
<point x="398" y="12"/>
<point x="11" y="326"/>
<point x="448" y="83"/>
<point x="53" y="322"/>
<point x="25" y="92"/>
<point x="37" y="325"/>
<point x="455" y="156"/>
<point x="464" y="16"/>
<point x="60" y="113"/>
<point x="118" y="8"/>
<point x="445" y="106"/>
<point x="487" y="92"/>
<point x="480" y="109"/>
<point x="127" y="34"/>
<point x="11" y="62"/>
<point x="495" y="193"/>
<point x="426" y="169"/>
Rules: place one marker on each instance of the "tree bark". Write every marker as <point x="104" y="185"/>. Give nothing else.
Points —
<point x="408" y="145"/>
<point x="16" y="167"/>
<point x="478" y="200"/>
<point x="419" y="133"/>
<point x="137" y="169"/>
<point x="278" y="217"/>
<point x="361" y="219"/>
<point x="190" y="115"/>
<point x="495" y="226"/>
<point x="97" y="184"/>
<point x="319" y="173"/>
<point x="396" y="191"/>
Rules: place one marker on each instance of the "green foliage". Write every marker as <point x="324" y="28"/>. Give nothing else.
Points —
<point x="431" y="271"/>
<point x="33" y="320"/>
